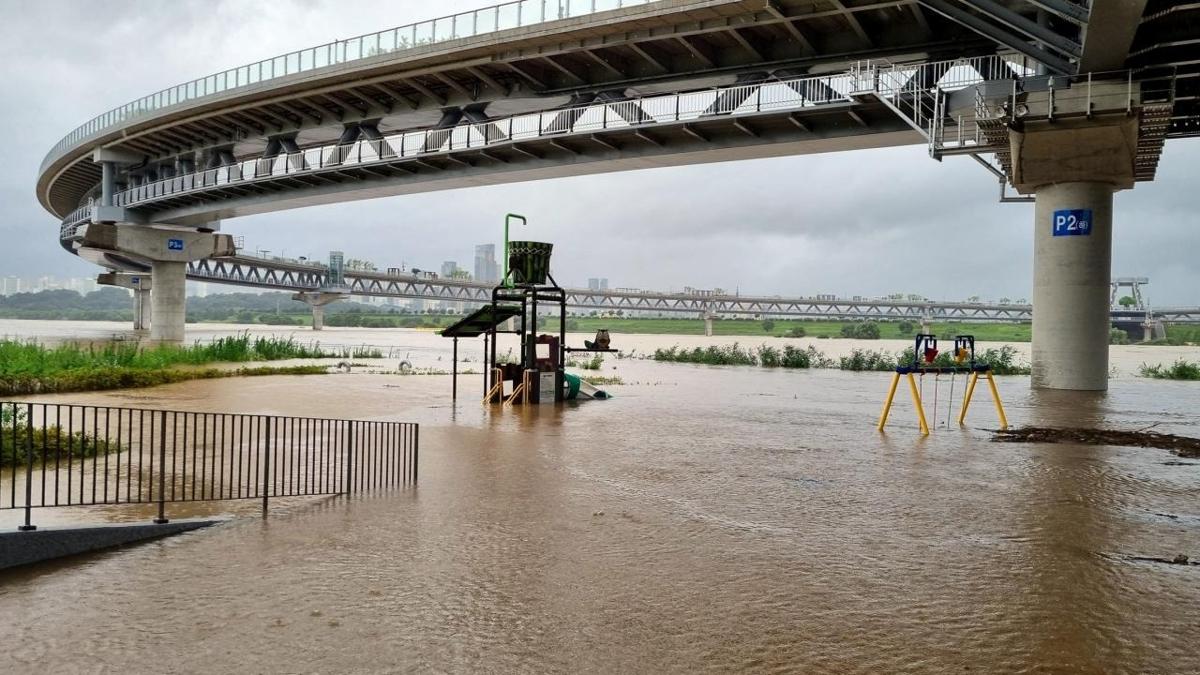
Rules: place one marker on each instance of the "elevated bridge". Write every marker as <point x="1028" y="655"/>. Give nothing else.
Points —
<point x="308" y="278"/>
<point x="1062" y="100"/>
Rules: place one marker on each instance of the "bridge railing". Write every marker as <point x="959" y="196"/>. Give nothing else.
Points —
<point x="58" y="455"/>
<point x="515" y="14"/>
<point x="792" y="94"/>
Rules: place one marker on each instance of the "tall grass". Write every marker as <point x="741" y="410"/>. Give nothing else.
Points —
<point x="868" y="359"/>
<point x="766" y="356"/>
<point x="1003" y="360"/>
<point x="713" y="355"/>
<point x="1180" y="370"/>
<point x="29" y="367"/>
<point x="32" y="359"/>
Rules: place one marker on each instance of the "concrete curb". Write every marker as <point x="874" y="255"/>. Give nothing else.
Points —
<point x="27" y="548"/>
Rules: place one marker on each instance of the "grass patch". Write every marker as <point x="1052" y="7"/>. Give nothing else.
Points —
<point x="1180" y="370"/>
<point x="32" y="368"/>
<point x="31" y="359"/>
<point x="110" y="378"/>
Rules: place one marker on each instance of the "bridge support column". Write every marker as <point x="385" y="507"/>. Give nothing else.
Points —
<point x="141" y="285"/>
<point x="141" y="310"/>
<point x="317" y="301"/>
<point x="167" y="252"/>
<point x="1073" y="163"/>
<point x="708" y="323"/>
<point x="1071" y="287"/>
<point x="168" y="303"/>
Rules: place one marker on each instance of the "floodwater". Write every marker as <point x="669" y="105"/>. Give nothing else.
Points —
<point x="707" y="518"/>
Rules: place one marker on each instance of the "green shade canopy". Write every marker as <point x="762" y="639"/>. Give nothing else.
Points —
<point x="481" y="320"/>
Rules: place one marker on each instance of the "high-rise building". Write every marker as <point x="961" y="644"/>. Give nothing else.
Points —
<point x="598" y="284"/>
<point x="486" y="268"/>
<point x="449" y="267"/>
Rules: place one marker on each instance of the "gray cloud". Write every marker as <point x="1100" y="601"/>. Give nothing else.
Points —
<point x="868" y="222"/>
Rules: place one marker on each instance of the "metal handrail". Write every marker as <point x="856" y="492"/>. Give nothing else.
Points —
<point x="504" y="16"/>
<point x="793" y="94"/>
<point x="64" y="455"/>
<point x="885" y="80"/>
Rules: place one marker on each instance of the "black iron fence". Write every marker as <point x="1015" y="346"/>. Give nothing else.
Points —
<point x="75" y="455"/>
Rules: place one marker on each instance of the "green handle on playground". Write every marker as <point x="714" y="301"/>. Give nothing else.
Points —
<point x="507" y="219"/>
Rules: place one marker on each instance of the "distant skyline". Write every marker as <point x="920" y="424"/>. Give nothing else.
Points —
<point x="864" y="223"/>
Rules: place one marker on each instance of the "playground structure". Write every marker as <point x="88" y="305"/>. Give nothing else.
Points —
<point x="925" y="353"/>
<point x="538" y="376"/>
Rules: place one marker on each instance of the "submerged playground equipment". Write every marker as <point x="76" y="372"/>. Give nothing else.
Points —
<point x="925" y="353"/>
<point x="539" y="375"/>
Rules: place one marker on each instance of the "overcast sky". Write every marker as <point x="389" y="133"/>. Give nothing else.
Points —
<point x="861" y="223"/>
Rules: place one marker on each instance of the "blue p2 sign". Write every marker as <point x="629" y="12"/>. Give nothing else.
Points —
<point x="1072" y="223"/>
<point x="174" y="244"/>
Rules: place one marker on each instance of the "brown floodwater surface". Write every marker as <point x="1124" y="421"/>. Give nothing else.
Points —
<point x="720" y="519"/>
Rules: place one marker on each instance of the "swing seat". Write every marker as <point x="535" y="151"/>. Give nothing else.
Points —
<point x="930" y="355"/>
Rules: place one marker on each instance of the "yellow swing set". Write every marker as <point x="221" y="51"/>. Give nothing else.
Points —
<point x="925" y="353"/>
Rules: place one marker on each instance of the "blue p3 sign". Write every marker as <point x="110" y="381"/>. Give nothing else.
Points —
<point x="174" y="244"/>
<point x="1072" y="223"/>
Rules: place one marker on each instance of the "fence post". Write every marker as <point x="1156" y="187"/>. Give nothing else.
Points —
<point x="267" y="482"/>
<point x="349" y="457"/>
<point x="416" y="447"/>
<point x="162" y="471"/>
<point x="28" y="526"/>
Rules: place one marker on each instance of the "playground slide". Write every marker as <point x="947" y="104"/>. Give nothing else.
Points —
<point x="578" y="390"/>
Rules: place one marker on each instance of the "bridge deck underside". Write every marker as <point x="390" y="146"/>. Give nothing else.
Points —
<point x="769" y="134"/>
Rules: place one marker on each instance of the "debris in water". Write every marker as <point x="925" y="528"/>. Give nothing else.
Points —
<point x="1183" y="446"/>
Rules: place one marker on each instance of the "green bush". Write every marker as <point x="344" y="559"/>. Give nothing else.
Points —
<point x="1180" y="370"/>
<point x="866" y="330"/>
<point x="46" y="443"/>
<point x="1116" y="336"/>
<point x="796" y="332"/>
<point x="766" y="356"/>
<point x="768" y="326"/>
<point x="868" y="360"/>
<point x="713" y="355"/>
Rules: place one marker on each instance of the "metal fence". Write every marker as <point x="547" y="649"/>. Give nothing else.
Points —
<point x="75" y="455"/>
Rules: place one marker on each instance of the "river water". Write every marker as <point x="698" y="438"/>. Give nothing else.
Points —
<point x="706" y="518"/>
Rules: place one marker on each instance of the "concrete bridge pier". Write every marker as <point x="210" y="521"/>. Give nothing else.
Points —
<point x="167" y="251"/>
<point x="1073" y="167"/>
<point x="1071" y="318"/>
<point x="708" y="317"/>
<point x="141" y="285"/>
<point x="317" y="301"/>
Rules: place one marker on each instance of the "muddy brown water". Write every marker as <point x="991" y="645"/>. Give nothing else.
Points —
<point x="720" y="519"/>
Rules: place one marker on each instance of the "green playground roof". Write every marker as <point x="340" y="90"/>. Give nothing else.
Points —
<point x="481" y="321"/>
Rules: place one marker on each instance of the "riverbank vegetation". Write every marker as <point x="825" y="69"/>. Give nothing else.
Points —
<point x="19" y="439"/>
<point x="30" y="367"/>
<point x="789" y="356"/>
<point x="1180" y="370"/>
<point x="1003" y="360"/>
